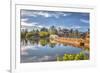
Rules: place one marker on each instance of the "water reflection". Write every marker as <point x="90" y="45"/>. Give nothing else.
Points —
<point x="41" y="50"/>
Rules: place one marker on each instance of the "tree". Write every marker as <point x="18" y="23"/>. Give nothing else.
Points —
<point x="53" y="30"/>
<point x="71" y="33"/>
<point x="44" y="29"/>
<point x="65" y="32"/>
<point x="77" y="34"/>
<point x="71" y="30"/>
<point x="43" y="34"/>
<point x="36" y="33"/>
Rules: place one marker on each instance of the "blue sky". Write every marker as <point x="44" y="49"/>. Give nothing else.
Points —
<point x="46" y="19"/>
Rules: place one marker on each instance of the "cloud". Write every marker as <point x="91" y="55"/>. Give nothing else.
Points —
<point x="76" y="27"/>
<point x="27" y="13"/>
<point x="24" y="19"/>
<point x="45" y="14"/>
<point x="33" y="24"/>
<point x="64" y="14"/>
<point x="28" y="24"/>
<point x="84" y="20"/>
<point x="34" y="13"/>
<point x="70" y="27"/>
<point x="53" y="14"/>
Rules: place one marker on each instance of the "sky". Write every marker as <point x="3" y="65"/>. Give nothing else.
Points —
<point x="69" y="20"/>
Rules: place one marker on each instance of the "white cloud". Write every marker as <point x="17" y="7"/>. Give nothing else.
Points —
<point x="27" y="13"/>
<point x="70" y="27"/>
<point x="24" y="19"/>
<point x="44" y="13"/>
<point x="84" y="20"/>
<point x="35" y="13"/>
<point x="33" y="24"/>
<point x="28" y="24"/>
<point x="65" y="14"/>
<point x="75" y="27"/>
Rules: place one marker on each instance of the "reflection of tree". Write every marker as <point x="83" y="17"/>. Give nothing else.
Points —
<point x="52" y="45"/>
<point x="43" y="41"/>
<point x="24" y="41"/>
<point x="65" y="44"/>
<point x="23" y="34"/>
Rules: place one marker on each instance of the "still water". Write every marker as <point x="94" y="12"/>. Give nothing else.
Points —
<point x="44" y="50"/>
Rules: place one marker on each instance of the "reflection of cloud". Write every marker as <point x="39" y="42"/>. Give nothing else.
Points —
<point x="84" y="20"/>
<point x="44" y="58"/>
<point x="24" y="53"/>
<point x="37" y="58"/>
<point x="45" y="14"/>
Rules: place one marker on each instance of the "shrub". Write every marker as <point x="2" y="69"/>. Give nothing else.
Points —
<point x="66" y="57"/>
<point x="43" y="34"/>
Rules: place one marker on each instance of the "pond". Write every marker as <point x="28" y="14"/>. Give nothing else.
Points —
<point x="44" y="50"/>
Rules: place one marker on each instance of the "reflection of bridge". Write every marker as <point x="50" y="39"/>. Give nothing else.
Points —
<point x="79" y="42"/>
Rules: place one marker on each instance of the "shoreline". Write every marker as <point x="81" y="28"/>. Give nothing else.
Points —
<point x="77" y="42"/>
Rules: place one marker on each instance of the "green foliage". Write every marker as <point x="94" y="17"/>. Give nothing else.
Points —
<point x="77" y="57"/>
<point x="81" y="56"/>
<point x="43" y="34"/>
<point x="66" y="57"/>
<point x="71" y="57"/>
